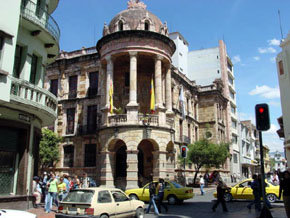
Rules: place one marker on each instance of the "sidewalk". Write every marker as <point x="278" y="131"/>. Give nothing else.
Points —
<point x="41" y="213"/>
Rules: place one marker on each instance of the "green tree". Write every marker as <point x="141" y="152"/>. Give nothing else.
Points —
<point x="48" y="148"/>
<point x="204" y="153"/>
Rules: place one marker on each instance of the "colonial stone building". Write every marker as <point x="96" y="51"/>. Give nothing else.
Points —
<point x="131" y="145"/>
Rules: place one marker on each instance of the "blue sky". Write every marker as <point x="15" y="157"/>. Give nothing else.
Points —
<point x="250" y="29"/>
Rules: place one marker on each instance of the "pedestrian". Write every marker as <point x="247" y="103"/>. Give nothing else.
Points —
<point x="76" y="182"/>
<point x="201" y="184"/>
<point x="153" y="196"/>
<point x="61" y="188"/>
<point x="235" y="177"/>
<point x="221" y="188"/>
<point x="255" y="186"/>
<point x="52" y="193"/>
<point x="71" y="183"/>
<point x="160" y="196"/>
<point x="206" y="178"/>
<point x="275" y="179"/>
<point x="285" y="190"/>
<point x="45" y="179"/>
<point x="66" y="181"/>
<point x="36" y="191"/>
<point x="85" y="181"/>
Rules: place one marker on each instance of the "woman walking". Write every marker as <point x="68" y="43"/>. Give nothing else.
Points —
<point x="52" y="193"/>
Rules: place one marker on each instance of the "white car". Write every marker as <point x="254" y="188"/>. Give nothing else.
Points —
<point x="16" y="213"/>
<point x="99" y="202"/>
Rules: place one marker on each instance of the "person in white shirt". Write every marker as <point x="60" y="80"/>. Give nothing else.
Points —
<point x="201" y="183"/>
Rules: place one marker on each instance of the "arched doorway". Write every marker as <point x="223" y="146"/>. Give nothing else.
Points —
<point x="145" y="161"/>
<point x="120" y="164"/>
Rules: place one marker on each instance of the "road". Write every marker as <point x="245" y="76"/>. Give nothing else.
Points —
<point x="200" y="206"/>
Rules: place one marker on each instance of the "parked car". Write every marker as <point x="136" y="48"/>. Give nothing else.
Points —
<point x="16" y="213"/>
<point x="243" y="190"/>
<point x="99" y="202"/>
<point x="173" y="192"/>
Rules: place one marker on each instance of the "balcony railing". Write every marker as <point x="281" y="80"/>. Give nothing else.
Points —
<point x="26" y="93"/>
<point x="148" y="119"/>
<point x="40" y="16"/>
<point x="117" y="119"/>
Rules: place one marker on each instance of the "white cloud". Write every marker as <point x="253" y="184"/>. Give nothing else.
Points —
<point x="244" y="116"/>
<point x="273" y="59"/>
<point x="266" y="92"/>
<point x="267" y="50"/>
<point x="256" y="58"/>
<point x="274" y="42"/>
<point x="274" y="103"/>
<point x="272" y="140"/>
<point x="236" y="59"/>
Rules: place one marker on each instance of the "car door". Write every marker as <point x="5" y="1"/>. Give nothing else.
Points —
<point x="243" y="190"/>
<point x="169" y="189"/>
<point x="145" y="195"/>
<point x="122" y="204"/>
<point x="105" y="204"/>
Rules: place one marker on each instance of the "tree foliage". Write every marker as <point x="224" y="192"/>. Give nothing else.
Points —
<point x="204" y="153"/>
<point x="48" y="148"/>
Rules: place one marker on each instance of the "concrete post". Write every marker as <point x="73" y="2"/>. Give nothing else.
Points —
<point x="132" y="169"/>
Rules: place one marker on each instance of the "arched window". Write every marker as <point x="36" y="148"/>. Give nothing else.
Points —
<point x="120" y="25"/>
<point x="147" y="25"/>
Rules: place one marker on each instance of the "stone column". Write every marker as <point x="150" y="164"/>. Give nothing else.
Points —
<point x="109" y="79"/>
<point x="158" y="82"/>
<point x="170" y="165"/>
<point x="30" y="160"/>
<point x="133" y="79"/>
<point x="189" y="107"/>
<point x="107" y="178"/>
<point x="132" y="106"/>
<point x="159" y="164"/>
<point x="132" y="169"/>
<point x="168" y="97"/>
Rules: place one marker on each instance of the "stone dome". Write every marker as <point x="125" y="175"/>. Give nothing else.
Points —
<point x="136" y="17"/>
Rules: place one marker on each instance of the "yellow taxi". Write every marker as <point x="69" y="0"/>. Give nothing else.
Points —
<point x="243" y="190"/>
<point x="173" y="192"/>
<point x="99" y="202"/>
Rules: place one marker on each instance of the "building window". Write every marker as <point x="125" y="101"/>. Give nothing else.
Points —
<point x="90" y="155"/>
<point x="230" y="67"/>
<point x="233" y="109"/>
<point x="196" y="133"/>
<point x="181" y="69"/>
<point x="70" y="114"/>
<point x="218" y="71"/>
<point x="234" y="124"/>
<point x="281" y="68"/>
<point x="73" y="80"/>
<point x="231" y="81"/>
<point x="180" y="54"/>
<point x="92" y="119"/>
<point x="189" y="133"/>
<point x="235" y="156"/>
<point x="54" y="86"/>
<point x="1" y="45"/>
<point x="33" y="70"/>
<point x="146" y="25"/>
<point x="94" y="79"/>
<point x="234" y="139"/>
<point x="17" y="61"/>
<point x="232" y="95"/>
<point x="120" y="25"/>
<point x="68" y="159"/>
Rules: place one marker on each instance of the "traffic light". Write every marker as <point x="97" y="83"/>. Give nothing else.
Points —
<point x="262" y="117"/>
<point x="183" y="151"/>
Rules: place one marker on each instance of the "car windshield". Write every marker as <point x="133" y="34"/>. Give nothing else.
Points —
<point x="80" y="196"/>
<point x="176" y="185"/>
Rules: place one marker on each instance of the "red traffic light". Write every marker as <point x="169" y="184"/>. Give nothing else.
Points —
<point x="261" y="110"/>
<point x="183" y="149"/>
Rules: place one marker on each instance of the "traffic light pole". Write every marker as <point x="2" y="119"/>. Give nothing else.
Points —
<point x="262" y="168"/>
<point x="184" y="172"/>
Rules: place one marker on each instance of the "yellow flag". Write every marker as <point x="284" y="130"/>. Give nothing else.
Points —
<point x="111" y="91"/>
<point x="152" y="95"/>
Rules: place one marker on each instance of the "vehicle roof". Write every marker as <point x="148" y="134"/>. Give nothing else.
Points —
<point x="98" y="189"/>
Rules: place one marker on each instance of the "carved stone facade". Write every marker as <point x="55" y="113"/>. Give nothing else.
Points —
<point x="131" y="145"/>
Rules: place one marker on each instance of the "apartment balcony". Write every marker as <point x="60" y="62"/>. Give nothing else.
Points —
<point x="87" y="129"/>
<point x="41" y="24"/>
<point x="34" y="100"/>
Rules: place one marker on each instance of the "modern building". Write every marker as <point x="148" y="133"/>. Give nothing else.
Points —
<point x="29" y="40"/>
<point x="104" y="111"/>
<point x="267" y="161"/>
<point x="283" y="69"/>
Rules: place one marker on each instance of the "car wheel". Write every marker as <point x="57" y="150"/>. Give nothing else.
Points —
<point x="133" y="197"/>
<point x="139" y="213"/>
<point x="271" y="198"/>
<point x="172" y="199"/>
<point x="228" y="197"/>
<point x="104" y="216"/>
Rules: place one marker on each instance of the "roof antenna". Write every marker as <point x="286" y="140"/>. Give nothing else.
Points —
<point x="280" y="25"/>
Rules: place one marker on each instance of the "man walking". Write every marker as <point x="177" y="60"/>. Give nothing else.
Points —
<point x="255" y="185"/>
<point x="201" y="184"/>
<point x="152" y="192"/>
<point x="160" y="189"/>
<point x="221" y="188"/>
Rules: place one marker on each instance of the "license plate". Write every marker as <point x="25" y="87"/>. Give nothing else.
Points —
<point x="72" y="210"/>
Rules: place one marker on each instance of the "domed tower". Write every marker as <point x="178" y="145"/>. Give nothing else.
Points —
<point x="135" y="53"/>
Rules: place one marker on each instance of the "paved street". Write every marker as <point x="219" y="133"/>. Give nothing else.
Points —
<point x="200" y="206"/>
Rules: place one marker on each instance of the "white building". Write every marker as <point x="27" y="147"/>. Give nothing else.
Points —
<point x="283" y="69"/>
<point x="280" y="162"/>
<point x="29" y="40"/>
<point x="179" y="58"/>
